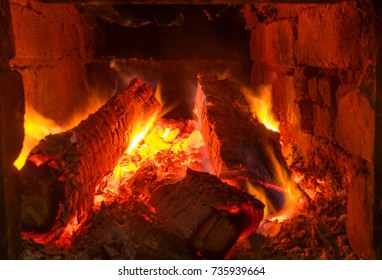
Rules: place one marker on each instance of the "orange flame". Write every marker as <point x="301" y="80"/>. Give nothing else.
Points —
<point x="148" y="141"/>
<point x="289" y="185"/>
<point x="261" y="106"/>
<point x="259" y="193"/>
<point x="170" y="145"/>
<point x="36" y="127"/>
<point x="291" y="192"/>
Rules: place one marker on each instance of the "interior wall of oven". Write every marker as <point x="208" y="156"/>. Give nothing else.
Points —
<point x="53" y="42"/>
<point x="321" y="62"/>
<point x="323" y="76"/>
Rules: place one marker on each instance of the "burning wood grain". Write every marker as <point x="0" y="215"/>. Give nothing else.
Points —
<point x="237" y="142"/>
<point x="208" y="213"/>
<point x="62" y="171"/>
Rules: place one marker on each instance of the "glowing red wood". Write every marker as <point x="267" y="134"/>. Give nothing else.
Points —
<point x="62" y="171"/>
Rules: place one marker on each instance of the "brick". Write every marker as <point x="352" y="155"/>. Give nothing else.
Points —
<point x="293" y="111"/>
<point x="50" y="54"/>
<point x="313" y="89"/>
<point x="284" y="100"/>
<point x="327" y="87"/>
<point x="289" y="11"/>
<point x="323" y="121"/>
<point x="257" y="74"/>
<point x="257" y="43"/>
<point x="300" y="79"/>
<point x="360" y="221"/>
<point x="306" y="115"/>
<point x="328" y="36"/>
<point x="46" y="31"/>
<point x="274" y="43"/>
<point x="355" y="125"/>
<point x="55" y="90"/>
<point x="6" y="42"/>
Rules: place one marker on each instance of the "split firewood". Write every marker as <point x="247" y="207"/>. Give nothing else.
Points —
<point x="129" y="230"/>
<point x="239" y="145"/>
<point x="211" y="215"/>
<point x="62" y="171"/>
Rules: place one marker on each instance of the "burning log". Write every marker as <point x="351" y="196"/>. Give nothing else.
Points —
<point x="129" y="230"/>
<point x="239" y="145"/>
<point x="206" y="212"/>
<point x="62" y="171"/>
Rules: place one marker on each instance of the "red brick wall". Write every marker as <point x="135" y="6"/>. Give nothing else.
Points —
<point x="51" y="54"/>
<point x="321" y="61"/>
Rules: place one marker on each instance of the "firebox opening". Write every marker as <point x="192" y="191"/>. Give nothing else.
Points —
<point x="198" y="143"/>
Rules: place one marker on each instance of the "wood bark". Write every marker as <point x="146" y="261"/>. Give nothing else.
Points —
<point x="239" y="145"/>
<point x="209" y="214"/>
<point x="129" y="230"/>
<point x="62" y="171"/>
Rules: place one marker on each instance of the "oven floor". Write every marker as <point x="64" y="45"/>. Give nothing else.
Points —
<point x="317" y="231"/>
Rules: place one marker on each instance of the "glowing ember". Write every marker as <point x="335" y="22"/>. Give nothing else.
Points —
<point x="138" y="136"/>
<point x="170" y="145"/>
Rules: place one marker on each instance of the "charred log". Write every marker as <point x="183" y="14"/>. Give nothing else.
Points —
<point x="206" y="212"/>
<point x="239" y="145"/>
<point x="62" y="171"/>
<point x="126" y="230"/>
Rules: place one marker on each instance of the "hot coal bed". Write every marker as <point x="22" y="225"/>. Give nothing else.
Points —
<point x="241" y="130"/>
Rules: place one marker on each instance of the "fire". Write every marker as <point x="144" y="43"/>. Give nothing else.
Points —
<point x="139" y="134"/>
<point x="36" y="127"/>
<point x="170" y="145"/>
<point x="167" y="144"/>
<point x="293" y="193"/>
<point x="287" y="197"/>
<point x="259" y="192"/>
<point x="261" y="106"/>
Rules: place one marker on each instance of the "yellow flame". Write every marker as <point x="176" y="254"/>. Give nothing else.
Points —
<point x="116" y="67"/>
<point x="261" y="106"/>
<point x="158" y="93"/>
<point x="259" y="193"/>
<point x="162" y="144"/>
<point x="36" y="127"/>
<point x="293" y="193"/>
<point x="140" y="133"/>
<point x="92" y="104"/>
